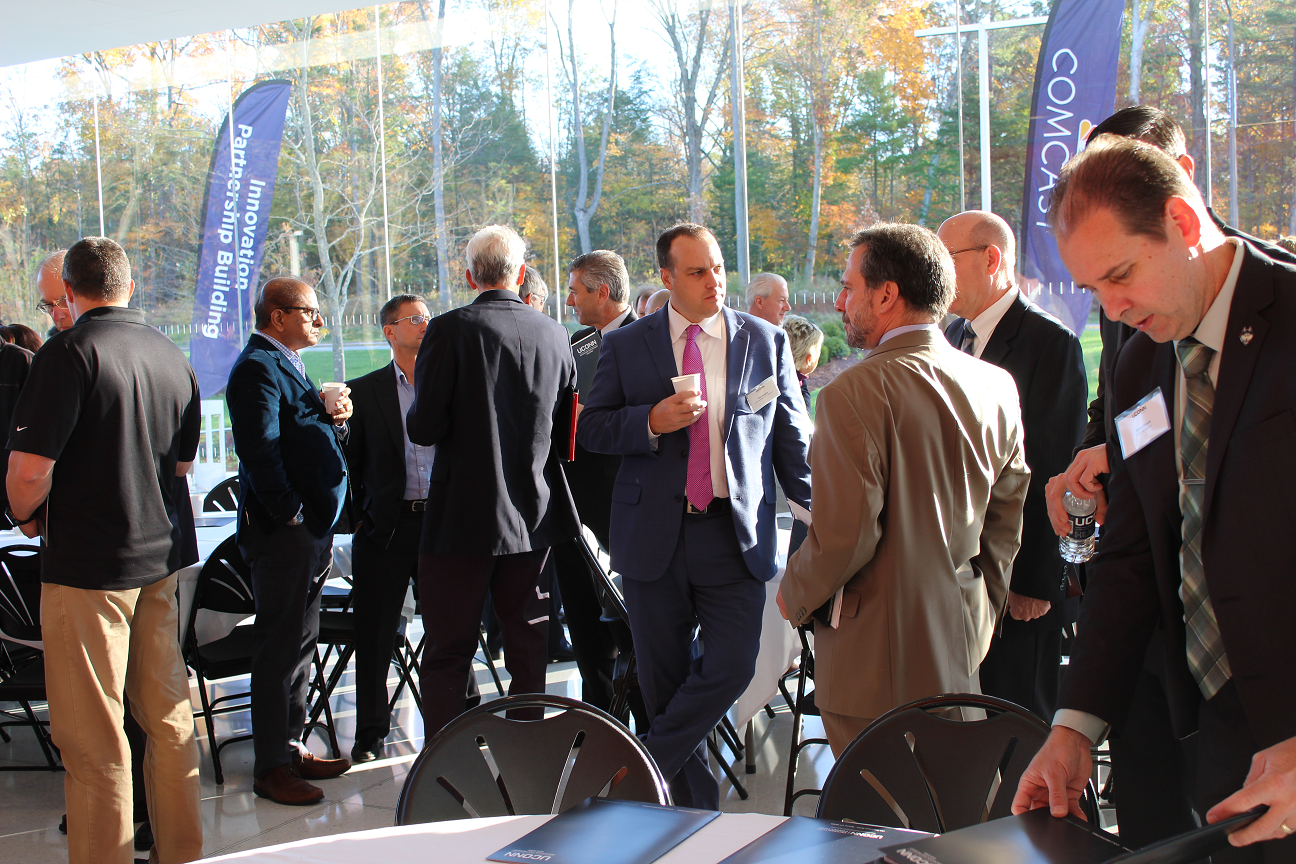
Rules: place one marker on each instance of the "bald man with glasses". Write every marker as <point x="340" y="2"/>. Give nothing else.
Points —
<point x="292" y="486"/>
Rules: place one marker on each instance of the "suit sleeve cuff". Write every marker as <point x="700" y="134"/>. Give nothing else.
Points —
<point x="1093" y="728"/>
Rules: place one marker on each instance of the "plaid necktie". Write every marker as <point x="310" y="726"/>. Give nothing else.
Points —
<point x="1206" y="658"/>
<point x="697" y="485"/>
<point x="968" y="337"/>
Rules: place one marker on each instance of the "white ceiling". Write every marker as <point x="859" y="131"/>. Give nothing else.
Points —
<point x="42" y="29"/>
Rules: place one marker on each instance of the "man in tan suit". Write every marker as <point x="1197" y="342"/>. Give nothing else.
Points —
<point x="920" y="478"/>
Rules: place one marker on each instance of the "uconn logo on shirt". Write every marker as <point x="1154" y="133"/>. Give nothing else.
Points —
<point x="529" y="855"/>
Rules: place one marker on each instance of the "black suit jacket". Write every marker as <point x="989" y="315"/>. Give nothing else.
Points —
<point x="1251" y="466"/>
<point x="15" y="363"/>
<point x="592" y="475"/>
<point x="375" y="452"/>
<point x="290" y="456"/>
<point x="488" y="382"/>
<point x="1046" y="363"/>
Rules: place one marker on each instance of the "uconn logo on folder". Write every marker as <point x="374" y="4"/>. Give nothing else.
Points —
<point x="530" y="855"/>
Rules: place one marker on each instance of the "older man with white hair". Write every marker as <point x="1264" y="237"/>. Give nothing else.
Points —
<point x="488" y="387"/>
<point x="767" y="297"/>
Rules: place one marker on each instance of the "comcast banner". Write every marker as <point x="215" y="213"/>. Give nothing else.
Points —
<point x="1075" y="90"/>
<point x="236" y="215"/>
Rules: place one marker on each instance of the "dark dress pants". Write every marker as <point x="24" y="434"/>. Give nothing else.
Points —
<point x="452" y="594"/>
<point x="706" y="586"/>
<point x="591" y="638"/>
<point x="286" y="568"/>
<point x="1225" y="746"/>
<point x="380" y="577"/>
<point x="1024" y="665"/>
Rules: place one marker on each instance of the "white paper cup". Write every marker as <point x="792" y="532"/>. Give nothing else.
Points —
<point x="687" y="382"/>
<point x="332" y="390"/>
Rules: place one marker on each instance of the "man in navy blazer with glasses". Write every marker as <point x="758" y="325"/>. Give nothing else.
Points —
<point x="693" y="506"/>
<point x="292" y="487"/>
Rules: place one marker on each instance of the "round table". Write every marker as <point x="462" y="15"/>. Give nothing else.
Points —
<point x="468" y="841"/>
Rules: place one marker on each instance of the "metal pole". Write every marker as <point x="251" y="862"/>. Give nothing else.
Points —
<point x="98" y="160"/>
<point x="737" y="100"/>
<point x="983" y="73"/>
<point x="958" y="66"/>
<point x="382" y="144"/>
<point x="230" y="122"/>
<point x="553" y="159"/>
<point x="1206" y="108"/>
<point x="1233" y="112"/>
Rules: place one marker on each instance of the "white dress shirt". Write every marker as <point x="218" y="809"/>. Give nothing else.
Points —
<point x="614" y="323"/>
<point x="1210" y="332"/>
<point x="713" y="344"/>
<point x="984" y="324"/>
<point x="901" y="330"/>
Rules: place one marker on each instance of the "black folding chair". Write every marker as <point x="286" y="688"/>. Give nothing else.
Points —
<point x="22" y="667"/>
<point x="223" y="497"/>
<point x="802" y="706"/>
<point x="483" y="764"/>
<point x="915" y="768"/>
<point x="625" y="680"/>
<point x="225" y="585"/>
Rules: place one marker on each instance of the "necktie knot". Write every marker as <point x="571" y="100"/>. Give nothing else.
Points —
<point x="1194" y="357"/>
<point x="968" y="339"/>
<point x="691" y="332"/>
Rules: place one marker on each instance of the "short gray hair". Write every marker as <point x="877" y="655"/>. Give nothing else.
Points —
<point x="603" y="267"/>
<point x="495" y="254"/>
<point x="387" y="314"/>
<point x="53" y="263"/>
<point x="533" y="283"/>
<point x="763" y="285"/>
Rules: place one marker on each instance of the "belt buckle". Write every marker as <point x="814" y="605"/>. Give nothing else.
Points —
<point x="693" y="511"/>
<point x="418" y="506"/>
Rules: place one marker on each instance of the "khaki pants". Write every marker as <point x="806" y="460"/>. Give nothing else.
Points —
<point x="842" y="729"/>
<point x="99" y="645"/>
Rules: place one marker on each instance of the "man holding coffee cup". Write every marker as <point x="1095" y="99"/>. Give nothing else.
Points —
<point x="292" y="487"/>
<point x="703" y="404"/>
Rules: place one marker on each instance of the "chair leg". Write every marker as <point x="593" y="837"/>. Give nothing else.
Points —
<point x="730" y="734"/>
<point x="41" y="736"/>
<point x="724" y="766"/>
<point x="481" y="639"/>
<point x="795" y="751"/>
<point x="211" y="725"/>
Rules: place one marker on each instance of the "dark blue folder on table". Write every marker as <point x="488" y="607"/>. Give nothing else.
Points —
<point x="607" y="831"/>
<point x="819" y="841"/>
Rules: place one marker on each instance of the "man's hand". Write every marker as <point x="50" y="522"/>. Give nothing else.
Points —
<point x="1082" y="479"/>
<point x="1272" y="781"/>
<point x="778" y="596"/>
<point x="342" y="407"/>
<point x="1027" y="608"/>
<point x="1056" y="777"/>
<point x="675" y="412"/>
<point x="31" y="529"/>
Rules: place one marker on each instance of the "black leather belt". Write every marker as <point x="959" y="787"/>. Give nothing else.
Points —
<point x="414" y="506"/>
<point x="717" y="506"/>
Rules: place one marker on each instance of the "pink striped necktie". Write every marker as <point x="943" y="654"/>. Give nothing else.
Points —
<point x="698" y="485"/>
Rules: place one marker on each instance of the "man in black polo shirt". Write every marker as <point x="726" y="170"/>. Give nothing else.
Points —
<point x="111" y="416"/>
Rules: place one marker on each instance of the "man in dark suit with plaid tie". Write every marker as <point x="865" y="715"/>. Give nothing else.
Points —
<point x="1197" y="522"/>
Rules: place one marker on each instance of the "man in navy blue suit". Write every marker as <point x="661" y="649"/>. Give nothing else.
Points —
<point x="292" y="485"/>
<point x="693" y="506"/>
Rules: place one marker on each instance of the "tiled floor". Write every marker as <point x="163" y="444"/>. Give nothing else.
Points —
<point x="31" y="803"/>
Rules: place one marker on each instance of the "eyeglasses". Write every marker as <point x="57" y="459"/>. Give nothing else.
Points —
<point x="312" y="313"/>
<point x="48" y="308"/>
<point x="954" y="252"/>
<point x="416" y="320"/>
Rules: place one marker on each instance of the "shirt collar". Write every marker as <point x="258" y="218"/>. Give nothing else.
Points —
<point x="614" y="323"/>
<point x="984" y="324"/>
<point x="906" y="328"/>
<point x="276" y="343"/>
<point x="713" y="326"/>
<point x="112" y="313"/>
<point x="400" y="375"/>
<point x="1210" y="332"/>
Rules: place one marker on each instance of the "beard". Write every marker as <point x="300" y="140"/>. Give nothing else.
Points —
<point x="859" y="329"/>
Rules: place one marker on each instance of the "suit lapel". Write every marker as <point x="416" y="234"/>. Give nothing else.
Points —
<point x="657" y="335"/>
<point x="389" y="406"/>
<point x="1254" y="292"/>
<point x="1000" y="341"/>
<point x="293" y="375"/>
<point x="736" y="364"/>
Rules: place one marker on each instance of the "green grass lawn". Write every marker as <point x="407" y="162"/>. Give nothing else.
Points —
<point x="1091" y="345"/>
<point x="319" y="364"/>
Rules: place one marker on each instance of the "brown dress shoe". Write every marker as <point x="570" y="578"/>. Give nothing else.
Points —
<point x="283" y="786"/>
<point x="311" y="767"/>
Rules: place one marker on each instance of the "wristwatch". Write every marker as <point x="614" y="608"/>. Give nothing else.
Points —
<point x="9" y="514"/>
<point x="296" y="520"/>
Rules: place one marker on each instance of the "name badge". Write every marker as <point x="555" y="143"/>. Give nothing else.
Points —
<point x="761" y="395"/>
<point x="1142" y="424"/>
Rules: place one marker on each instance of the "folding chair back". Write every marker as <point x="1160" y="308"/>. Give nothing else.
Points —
<point x="20" y="592"/>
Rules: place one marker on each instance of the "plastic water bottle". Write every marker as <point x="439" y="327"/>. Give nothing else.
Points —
<point x="1079" y="545"/>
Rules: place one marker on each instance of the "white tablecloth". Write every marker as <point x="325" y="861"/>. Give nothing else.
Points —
<point x="470" y="840"/>
<point x="779" y="649"/>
